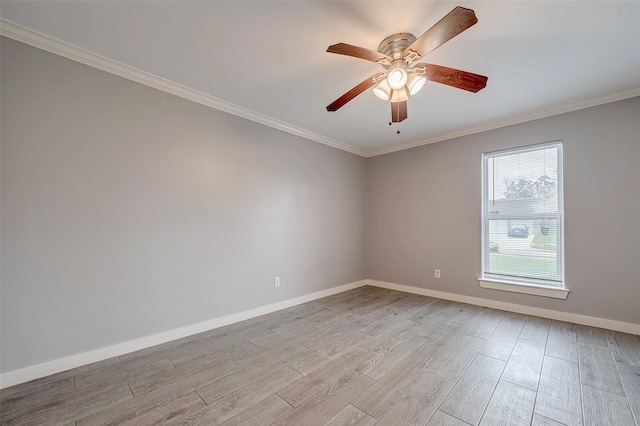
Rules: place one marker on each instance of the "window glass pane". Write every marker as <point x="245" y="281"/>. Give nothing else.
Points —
<point x="524" y="249"/>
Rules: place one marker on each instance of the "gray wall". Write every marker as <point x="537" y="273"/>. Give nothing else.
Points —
<point x="127" y="211"/>
<point x="424" y="206"/>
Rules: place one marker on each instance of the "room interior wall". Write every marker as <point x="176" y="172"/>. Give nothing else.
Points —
<point x="424" y="211"/>
<point x="127" y="211"/>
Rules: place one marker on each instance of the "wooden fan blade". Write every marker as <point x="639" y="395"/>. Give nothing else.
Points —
<point x="359" y="52"/>
<point x="342" y="100"/>
<point x="455" y="22"/>
<point x="398" y="111"/>
<point x="452" y="77"/>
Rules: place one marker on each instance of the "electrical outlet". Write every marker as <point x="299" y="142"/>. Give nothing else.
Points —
<point x="436" y="273"/>
<point x="276" y="282"/>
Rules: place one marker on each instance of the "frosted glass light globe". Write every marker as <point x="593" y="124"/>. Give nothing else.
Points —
<point x="397" y="78"/>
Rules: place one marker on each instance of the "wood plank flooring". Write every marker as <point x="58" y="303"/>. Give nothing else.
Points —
<point x="365" y="357"/>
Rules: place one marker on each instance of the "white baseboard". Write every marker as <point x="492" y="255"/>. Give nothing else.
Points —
<point x="16" y="377"/>
<point x="624" y="327"/>
<point x="12" y="378"/>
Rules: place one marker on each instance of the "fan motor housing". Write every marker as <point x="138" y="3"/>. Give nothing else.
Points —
<point x="395" y="44"/>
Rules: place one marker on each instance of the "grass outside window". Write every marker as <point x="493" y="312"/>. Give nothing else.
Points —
<point x="544" y="242"/>
<point x="515" y="265"/>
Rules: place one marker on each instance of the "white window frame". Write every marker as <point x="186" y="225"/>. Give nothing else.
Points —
<point x="517" y="284"/>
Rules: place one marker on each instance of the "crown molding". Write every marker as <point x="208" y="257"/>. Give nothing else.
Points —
<point x="42" y="41"/>
<point x="517" y="119"/>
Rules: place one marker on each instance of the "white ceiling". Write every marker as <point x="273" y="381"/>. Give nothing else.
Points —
<point x="266" y="60"/>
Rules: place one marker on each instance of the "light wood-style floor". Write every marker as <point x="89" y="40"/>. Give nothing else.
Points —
<point x="364" y="357"/>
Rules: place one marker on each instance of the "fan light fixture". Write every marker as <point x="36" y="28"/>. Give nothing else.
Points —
<point x="399" y="95"/>
<point x="412" y="84"/>
<point x="382" y="90"/>
<point x="415" y="83"/>
<point x="397" y="77"/>
<point x="400" y="81"/>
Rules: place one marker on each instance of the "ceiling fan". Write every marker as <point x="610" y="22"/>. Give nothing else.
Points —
<point x="403" y="77"/>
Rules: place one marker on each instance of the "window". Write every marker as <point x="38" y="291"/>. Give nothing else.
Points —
<point x="522" y="215"/>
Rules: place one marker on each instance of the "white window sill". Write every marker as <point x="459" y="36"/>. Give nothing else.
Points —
<point x="536" y="290"/>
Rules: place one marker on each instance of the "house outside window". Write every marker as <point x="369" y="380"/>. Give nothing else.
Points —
<point x="522" y="217"/>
